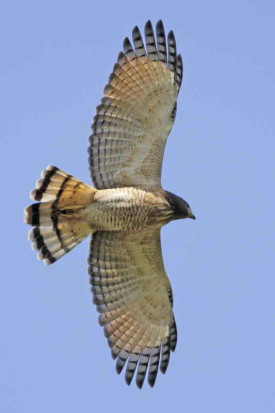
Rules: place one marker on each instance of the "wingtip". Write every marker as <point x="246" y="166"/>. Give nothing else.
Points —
<point x="114" y="353"/>
<point x="126" y="43"/>
<point x="159" y="24"/>
<point x="171" y="35"/>
<point x="151" y="382"/>
<point x="135" y="29"/>
<point x="128" y="379"/>
<point x="148" y="25"/>
<point x="139" y="383"/>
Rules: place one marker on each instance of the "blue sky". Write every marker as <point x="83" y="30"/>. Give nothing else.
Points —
<point x="55" y="60"/>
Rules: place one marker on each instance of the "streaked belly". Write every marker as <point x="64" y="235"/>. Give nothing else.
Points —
<point x="127" y="209"/>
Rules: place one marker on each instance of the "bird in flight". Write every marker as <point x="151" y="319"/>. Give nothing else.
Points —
<point x="126" y="208"/>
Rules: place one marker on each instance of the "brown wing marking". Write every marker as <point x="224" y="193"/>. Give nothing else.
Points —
<point x="131" y="292"/>
<point x="136" y="114"/>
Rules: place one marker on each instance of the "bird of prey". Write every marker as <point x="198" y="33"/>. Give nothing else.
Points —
<point x="126" y="208"/>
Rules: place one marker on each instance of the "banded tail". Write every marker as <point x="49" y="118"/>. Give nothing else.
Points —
<point x="57" y="220"/>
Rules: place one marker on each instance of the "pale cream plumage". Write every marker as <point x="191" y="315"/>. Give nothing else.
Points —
<point x="126" y="209"/>
<point x="131" y="291"/>
<point x="136" y="114"/>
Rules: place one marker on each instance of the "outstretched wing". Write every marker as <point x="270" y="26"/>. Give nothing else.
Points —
<point x="137" y="112"/>
<point x="133" y="295"/>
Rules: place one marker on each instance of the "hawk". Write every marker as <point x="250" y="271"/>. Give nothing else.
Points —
<point x="126" y="208"/>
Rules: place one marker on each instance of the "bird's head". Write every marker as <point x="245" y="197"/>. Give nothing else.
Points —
<point x="180" y="207"/>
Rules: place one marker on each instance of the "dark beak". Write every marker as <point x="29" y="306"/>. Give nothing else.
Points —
<point x="192" y="216"/>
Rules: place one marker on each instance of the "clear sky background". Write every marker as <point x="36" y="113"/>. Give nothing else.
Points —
<point x="55" y="60"/>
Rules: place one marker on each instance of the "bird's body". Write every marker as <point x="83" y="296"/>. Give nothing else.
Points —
<point x="126" y="208"/>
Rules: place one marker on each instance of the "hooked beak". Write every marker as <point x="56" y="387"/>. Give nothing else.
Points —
<point x="190" y="214"/>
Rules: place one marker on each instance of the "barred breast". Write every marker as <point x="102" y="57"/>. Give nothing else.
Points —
<point x="123" y="209"/>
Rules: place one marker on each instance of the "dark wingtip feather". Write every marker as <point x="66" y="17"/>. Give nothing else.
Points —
<point x="131" y="367"/>
<point x="154" y="365"/>
<point x="114" y="352"/>
<point x="150" y="41"/>
<point x="138" y="42"/>
<point x="165" y="355"/>
<point x="171" y="37"/>
<point x="179" y="70"/>
<point x="161" y="42"/>
<point x="120" y="57"/>
<point x="121" y="360"/>
<point x="172" y="51"/>
<point x="139" y="383"/>
<point x="173" y="336"/>
<point x="148" y="24"/>
<point x="142" y="367"/>
<point x="128" y="49"/>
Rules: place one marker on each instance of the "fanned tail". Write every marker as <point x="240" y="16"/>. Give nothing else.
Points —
<point x="58" y="223"/>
